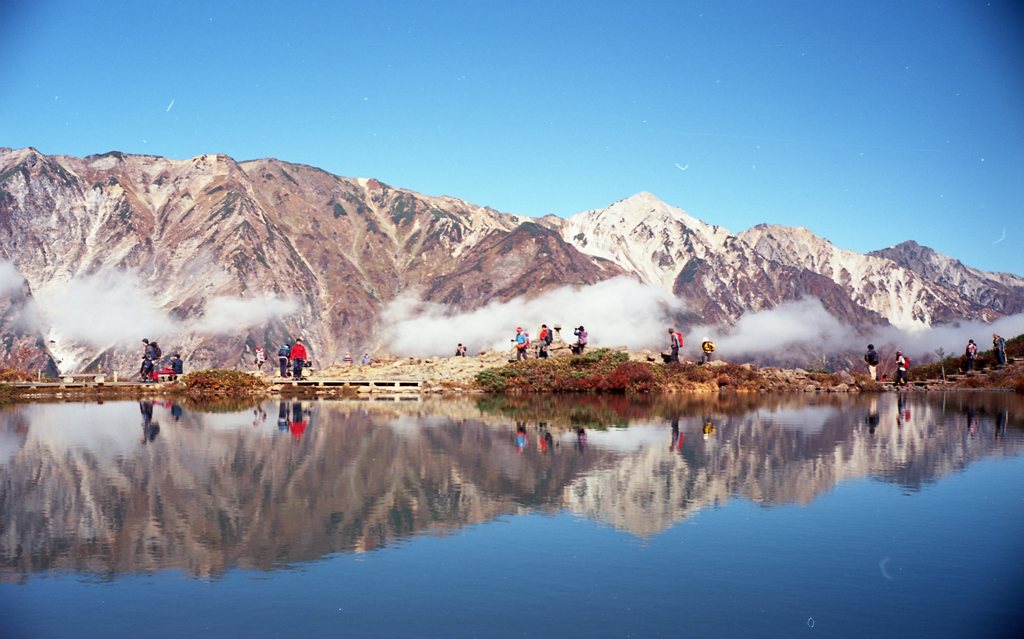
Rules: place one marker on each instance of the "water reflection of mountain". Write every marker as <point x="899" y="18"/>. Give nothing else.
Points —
<point x="106" y="489"/>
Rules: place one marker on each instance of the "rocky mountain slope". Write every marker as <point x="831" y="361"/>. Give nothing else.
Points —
<point x="225" y="255"/>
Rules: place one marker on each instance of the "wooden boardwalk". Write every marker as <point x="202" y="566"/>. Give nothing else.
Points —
<point x="312" y="384"/>
<point x="394" y="385"/>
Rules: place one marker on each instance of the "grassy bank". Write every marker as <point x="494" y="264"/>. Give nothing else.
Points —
<point x="222" y="383"/>
<point x="608" y="371"/>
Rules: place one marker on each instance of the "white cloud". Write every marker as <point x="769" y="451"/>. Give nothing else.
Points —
<point x="115" y="307"/>
<point x="616" y="312"/>
<point x="792" y="326"/>
<point x="804" y="326"/>
<point x="111" y="307"/>
<point x="226" y="315"/>
<point x="10" y="279"/>
<point x="953" y="337"/>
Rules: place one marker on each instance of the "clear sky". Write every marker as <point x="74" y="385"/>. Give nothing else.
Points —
<point x="869" y="122"/>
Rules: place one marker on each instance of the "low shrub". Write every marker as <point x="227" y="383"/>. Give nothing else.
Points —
<point x="222" y="382"/>
<point x="14" y="375"/>
<point x="634" y="377"/>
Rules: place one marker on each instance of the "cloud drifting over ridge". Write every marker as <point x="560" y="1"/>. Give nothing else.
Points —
<point x="615" y="312"/>
<point x="799" y="325"/>
<point x="115" y="307"/>
<point x="805" y="325"/>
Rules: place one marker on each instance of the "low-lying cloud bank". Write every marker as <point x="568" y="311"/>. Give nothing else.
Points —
<point x="116" y="307"/>
<point x="616" y="312"/>
<point x="801" y="325"/>
<point x="624" y="312"/>
<point x="804" y="326"/>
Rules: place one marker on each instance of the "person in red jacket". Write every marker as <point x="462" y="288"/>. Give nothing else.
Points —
<point x="298" y="356"/>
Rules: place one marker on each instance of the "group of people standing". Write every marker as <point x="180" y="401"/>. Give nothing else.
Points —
<point x="971" y="352"/>
<point x="521" y="342"/>
<point x="872" y="360"/>
<point x="295" y="355"/>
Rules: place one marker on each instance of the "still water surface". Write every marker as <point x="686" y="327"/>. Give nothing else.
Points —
<point x="594" y="517"/>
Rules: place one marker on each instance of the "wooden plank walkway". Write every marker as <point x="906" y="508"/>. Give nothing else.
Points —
<point x="371" y="383"/>
<point x="99" y="381"/>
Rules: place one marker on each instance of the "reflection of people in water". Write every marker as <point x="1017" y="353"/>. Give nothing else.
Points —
<point x="873" y="418"/>
<point x="708" y="429"/>
<point x="150" y="429"/>
<point x="902" y="410"/>
<point x="258" y="416"/>
<point x="520" y="437"/>
<point x="581" y="439"/>
<point x="282" y="416"/>
<point x="1001" y="423"/>
<point x="297" y="426"/>
<point x="545" y="442"/>
<point x="677" y="436"/>
<point x="176" y="412"/>
<point x="972" y="421"/>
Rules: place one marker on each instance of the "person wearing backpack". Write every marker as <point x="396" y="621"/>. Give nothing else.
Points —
<point x="871" y="359"/>
<point x="543" y="341"/>
<point x="999" y="345"/>
<point x="299" y="357"/>
<point x="152" y="350"/>
<point x="902" y="364"/>
<point x="707" y="348"/>
<point x="971" y="355"/>
<point x="283" y="355"/>
<point x="522" y="342"/>
<point x="675" y="343"/>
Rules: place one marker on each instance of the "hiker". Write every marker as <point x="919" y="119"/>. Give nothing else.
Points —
<point x="152" y="350"/>
<point x="460" y="350"/>
<point x="261" y="357"/>
<point x="365" y="361"/>
<point x="177" y="366"/>
<point x="675" y="343"/>
<point x="146" y="369"/>
<point x="707" y="347"/>
<point x="298" y="356"/>
<point x="544" y="341"/>
<point x="347" y="359"/>
<point x="999" y="345"/>
<point x="522" y="342"/>
<point x="283" y="355"/>
<point x="901" y="369"/>
<point x="971" y="354"/>
<point x="581" y="341"/>
<point x="871" y="359"/>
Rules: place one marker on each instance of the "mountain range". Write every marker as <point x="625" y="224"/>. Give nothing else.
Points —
<point x="332" y="252"/>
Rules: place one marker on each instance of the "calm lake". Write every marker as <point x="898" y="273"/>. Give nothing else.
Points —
<point x="492" y="517"/>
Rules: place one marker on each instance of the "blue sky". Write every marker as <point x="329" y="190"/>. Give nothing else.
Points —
<point x="868" y="122"/>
